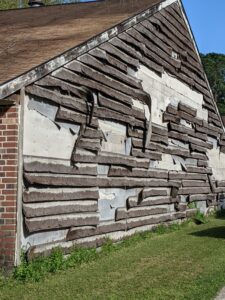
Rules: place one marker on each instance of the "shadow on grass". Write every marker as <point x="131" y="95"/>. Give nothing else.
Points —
<point x="220" y="214"/>
<point x="216" y="232"/>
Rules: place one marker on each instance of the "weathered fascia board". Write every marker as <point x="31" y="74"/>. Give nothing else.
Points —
<point x="27" y="78"/>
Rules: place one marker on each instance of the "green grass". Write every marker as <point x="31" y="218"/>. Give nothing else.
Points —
<point x="178" y="264"/>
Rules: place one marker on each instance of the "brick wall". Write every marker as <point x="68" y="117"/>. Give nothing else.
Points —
<point x="8" y="183"/>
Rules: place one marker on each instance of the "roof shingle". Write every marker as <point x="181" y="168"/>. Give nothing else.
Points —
<point x="30" y="37"/>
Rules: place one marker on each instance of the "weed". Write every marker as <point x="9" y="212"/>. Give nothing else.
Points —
<point x="192" y="205"/>
<point x="38" y="268"/>
<point x="79" y="256"/>
<point x="200" y="218"/>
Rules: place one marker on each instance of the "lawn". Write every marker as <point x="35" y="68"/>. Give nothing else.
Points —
<point x="185" y="264"/>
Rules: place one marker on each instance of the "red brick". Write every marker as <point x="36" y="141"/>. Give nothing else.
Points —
<point x="11" y="174"/>
<point x="10" y="145"/>
<point x="10" y="221"/>
<point x="9" y="156"/>
<point x="12" y="109"/>
<point x="8" y="203"/>
<point x="11" y="209"/>
<point x="9" y="215"/>
<point x="8" y="228"/>
<point x="11" y="139"/>
<point x="12" y="115"/>
<point x="10" y="168"/>
<point x="9" y="132"/>
<point x="8" y="192"/>
<point x="8" y="183"/>
<point x="10" y="197"/>
<point x="12" y="126"/>
<point x="9" y="150"/>
<point x="9" y="180"/>
<point x="11" y="162"/>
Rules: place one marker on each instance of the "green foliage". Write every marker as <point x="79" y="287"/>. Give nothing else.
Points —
<point x="214" y="65"/>
<point x="80" y="256"/>
<point x="221" y="107"/>
<point x="6" y="4"/>
<point x="178" y="265"/>
<point x="192" y="205"/>
<point x="200" y="218"/>
<point x="40" y="267"/>
<point x="13" y="4"/>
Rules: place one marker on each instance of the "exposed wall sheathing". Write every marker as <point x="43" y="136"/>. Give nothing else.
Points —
<point x="121" y="139"/>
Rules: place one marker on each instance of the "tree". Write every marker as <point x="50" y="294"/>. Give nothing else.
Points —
<point x="214" y="65"/>
<point x="12" y="4"/>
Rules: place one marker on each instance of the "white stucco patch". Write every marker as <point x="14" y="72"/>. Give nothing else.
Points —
<point x="42" y="238"/>
<point x="115" y="137"/>
<point x="42" y="137"/>
<point x="166" y="89"/>
<point x="216" y="162"/>
<point x="168" y="163"/>
<point x="111" y="199"/>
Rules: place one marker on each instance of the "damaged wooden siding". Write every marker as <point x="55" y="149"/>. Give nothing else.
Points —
<point x="120" y="139"/>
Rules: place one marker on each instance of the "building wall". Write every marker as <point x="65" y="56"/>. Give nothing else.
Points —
<point x="121" y="139"/>
<point x="9" y="120"/>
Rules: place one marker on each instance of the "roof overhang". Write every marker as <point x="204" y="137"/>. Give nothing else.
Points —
<point x="38" y="72"/>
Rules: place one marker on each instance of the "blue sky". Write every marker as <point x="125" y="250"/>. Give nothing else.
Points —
<point x="207" y="19"/>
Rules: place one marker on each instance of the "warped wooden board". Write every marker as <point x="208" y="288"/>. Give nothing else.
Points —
<point x="135" y="172"/>
<point x="194" y="183"/>
<point x="61" y="221"/>
<point x="202" y="197"/>
<point x="107" y="80"/>
<point x="112" y="159"/>
<point x="38" y="166"/>
<point x="120" y="107"/>
<point x="85" y="181"/>
<point x="151" y="201"/>
<point x="123" y="213"/>
<point x="50" y="81"/>
<point x="69" y="115"/>
<point x="148" y="192"/>
<point x="59" y="194"/>
<point x="194" y="190"/>
<point x="58" y="208"/>
<point x="111" y="71"/>
<point x="72" y="77"/>
<point x="142" y="221"/>
<point x="86" y="231"/>
<point x="68" y="101"/>
<point x="111" y="60"/>
<point x="175" y="175"/>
